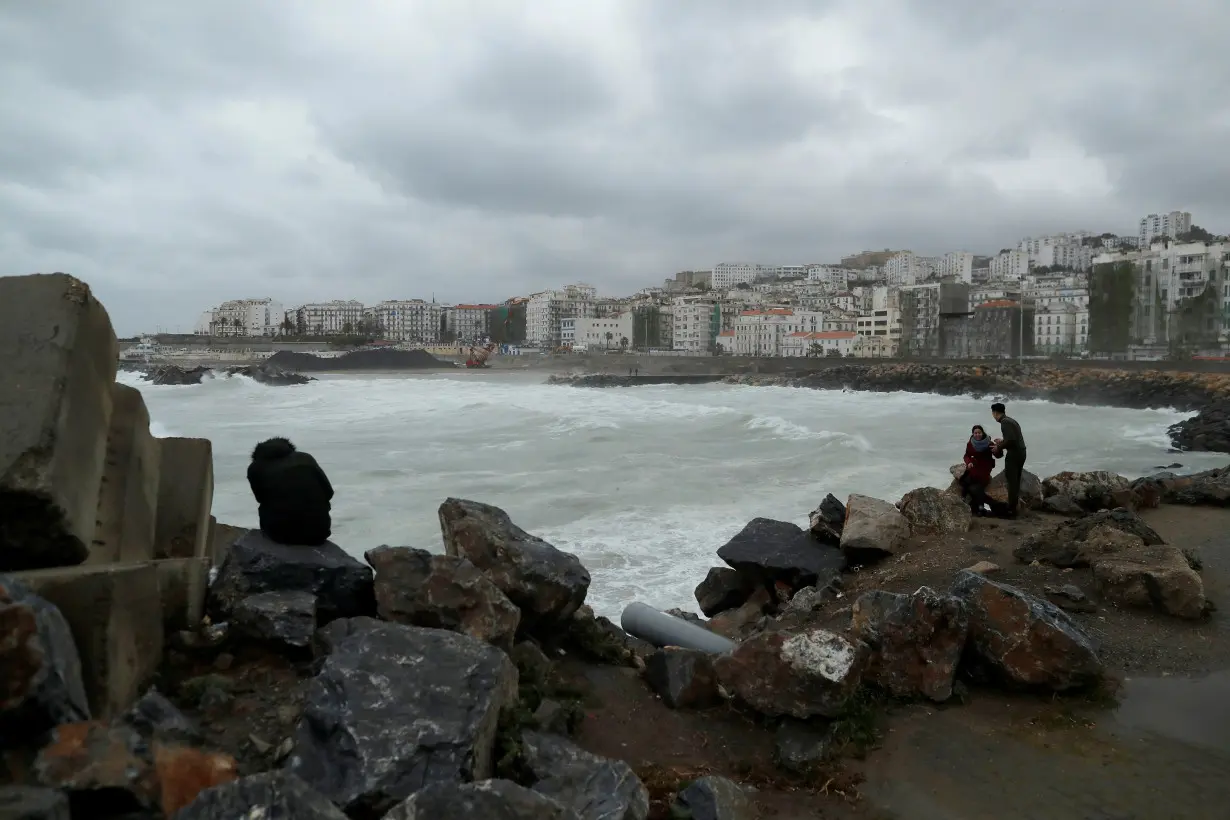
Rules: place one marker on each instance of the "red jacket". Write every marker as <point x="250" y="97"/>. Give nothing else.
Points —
<point x="978" y="466"/>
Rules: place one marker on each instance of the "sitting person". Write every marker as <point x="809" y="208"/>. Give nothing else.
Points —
<point x="293" y="494"/>
<point x="980" y="455"/>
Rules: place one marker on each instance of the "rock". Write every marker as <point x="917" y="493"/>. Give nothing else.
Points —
<point x="1207" y="431"/>
<point x="766" y="551"/>
<point x="683" y="678"/>
<point x="594" y="787"/>
<point x="721" y="590"/>
<point x="597" y="639"/>
<point x="33" y="803"/>
<point x="983" y="568"/>
<point x="342" y="585"/>
<point x="156" y="718"/>
<point x="874" y="529"/>
<point x="809" y="600"/>
<point x="41" y="668"/>
<point x="115" y="762"/>
<point x="547" y="584"/>
<point x="737" y="624"/>
<point x="169" y="374"/>
<point x="1073" y="543"/>
<point x="935" y="512"/>
<point x="1026" y="641"/>
<point x="805" y="674"/>
<point x="1157" y="577"/>
<point x="271" y="795"/>
<point x="916" y="641"/>
<point x="1069" y="598"/>
<point x="800" y="747"/>
<point x="685" y="615"/>
<point x="326" y="639"/>
<point x="828" y="520"/>
<point x="712" y="798"/>
<point x="395" y="708"/>
<point x="533" y="666"/>
<point x="417" y="588"/>
<point x="486" y="800"/>
<point x="286" y="618"/>
<point x="552" y="717"/>
<point x="1031" y="490"/>
<point x="1070" y="493"/>
<point x="270" y="374"/>
<point x="1209" y="488"/>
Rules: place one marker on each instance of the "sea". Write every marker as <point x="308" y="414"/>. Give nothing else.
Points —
<point x="644" y="484"/>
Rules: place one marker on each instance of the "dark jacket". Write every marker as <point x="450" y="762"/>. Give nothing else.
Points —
<point x="978" y="466"/>
<point x="1014" y="439"/>
<point x="293" y="493"/>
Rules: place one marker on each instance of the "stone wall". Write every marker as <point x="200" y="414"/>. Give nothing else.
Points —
<point x="97" y="516"/>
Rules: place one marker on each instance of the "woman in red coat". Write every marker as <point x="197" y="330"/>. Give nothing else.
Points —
<point x="979" y="460"/>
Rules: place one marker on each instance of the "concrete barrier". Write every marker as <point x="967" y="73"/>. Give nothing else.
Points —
<point x="60" y="356"/>
<point x="182" y="583"/>
<point x="116" y="615"/>
<point x="185" y="497"/>
<point x="221" y="537"/>
<point x="128" y="495"/>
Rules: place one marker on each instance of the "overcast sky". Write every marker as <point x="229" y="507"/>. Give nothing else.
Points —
<point x="175" y="154"/>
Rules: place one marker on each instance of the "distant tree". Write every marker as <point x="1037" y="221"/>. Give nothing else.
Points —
<point x="288" y="326"/>
<point x="609" y="337"/>
<point x="347" y="328"/>
<point x="815" y="350"/>
<point x="1196" y="234"/>
<point x="623" y="342"/>
<point x="743" y="286"/>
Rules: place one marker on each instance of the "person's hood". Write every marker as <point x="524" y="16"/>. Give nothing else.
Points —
<point x="273" y="449"/>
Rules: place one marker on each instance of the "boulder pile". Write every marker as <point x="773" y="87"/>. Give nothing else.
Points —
<point x="1207" y="431"/>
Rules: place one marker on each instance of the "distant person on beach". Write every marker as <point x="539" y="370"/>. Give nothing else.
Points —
<point x="294" y="494"/>
<point x="1012" y="447"/>
<point x="979" y="464"/>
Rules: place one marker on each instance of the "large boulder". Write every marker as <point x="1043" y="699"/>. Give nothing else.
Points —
<point x="286" y="618"/>
<point x="33" y="803"/>
<point x="1071" y="493"/>
<point x="766" y="552"/>
<point x="916" y="641"/>
<point x="805" y="674"/>
<point x="276" y="794"/>
<point x="396" y="708"/>
<point x="41" y="668"/>
<point x="342" y="585"/>
<point x="594" y="787"/>
<point x="1023" y="640"/>
<point x="486" y="800"/>
<point x="1031" y="490"/>
<point x="828" y="520"/>
<point x="441" y="592"/>
<point x="874" y="529"/>
<point x="1210" y="488"/>
<point x="548" y="585"/>
<point x="1207" y="431"/>
<point x="60" y="355"/>
<point x="1151" y="577"/>
<point x="930" y="511"/>
<point x="722" y="589"/>
<point x="1075" y="543"/>
<point x="712" y="798"/>
<point x="683" y="678"/>
<point x="169" y="374"/>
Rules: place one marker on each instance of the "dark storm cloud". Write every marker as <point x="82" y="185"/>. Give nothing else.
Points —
<point x="178" y="154"/>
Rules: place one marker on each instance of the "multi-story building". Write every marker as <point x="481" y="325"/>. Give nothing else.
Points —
<point x="597" y="332"/>
<point x="760" y="332"/>
<point x="468" y="322"/>
<point x="885" y="323"/>
<point x="685" y="280"/>
<point x="697" y="322"/>
<point x="1049" y="289"/>
<point x="1009" y="265"/>
<point x="408" y="320"/>
<point x="341" y="316"/>
<point x="822" y="343"/>
<point x="957" y="265"/>
<point x="244" y="317"/>
<point x="1060" y="329"/>
<point x="547" y="308"/>
<point x="907" y="268"/>
<point x="728" y="274"/>
<point x="922" y="307"/>
<point x="830" y="277"/>
<point x="1155" y="226"/>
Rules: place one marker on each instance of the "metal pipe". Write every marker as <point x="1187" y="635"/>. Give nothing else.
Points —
<point x="660" y="629"/>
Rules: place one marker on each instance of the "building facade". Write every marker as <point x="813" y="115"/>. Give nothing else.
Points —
<point x="244" y="317"/>
<point x="546" y="310"/>
<point x="339" y="317"/>
<point x="408" y="320"/>
<point x="598" y="333"/>
<point x="1009" y="265"/>
<point x="1156" y="226"/>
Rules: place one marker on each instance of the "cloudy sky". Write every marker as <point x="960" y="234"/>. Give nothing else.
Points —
<point x="175" y="154"/>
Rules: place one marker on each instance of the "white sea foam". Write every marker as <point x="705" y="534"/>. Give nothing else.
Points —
<point x="643" y="484"/>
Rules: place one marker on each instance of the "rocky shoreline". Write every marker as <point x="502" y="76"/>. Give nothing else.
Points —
<point x="412" y="684"/>
<point x="1206" y="393"/>
<point x="169" y="374"/>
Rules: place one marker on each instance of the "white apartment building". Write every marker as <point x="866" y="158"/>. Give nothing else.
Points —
<point x="1009" y="265"/>
<point x="1061" y="328"/>
<point x="243" y="317"/>
<point x="408" y="320"/>
<point x="831" y="277"/>
<point x="957" y="265"/>
<point x="761" y="332"/>
<point x="596" y="333"/>
<point x="728" y="274"/>
<point x="468" y="322"/>
<point x="823" y="343"/>
<point x="883" y="323"/>
<point x="1051" y="289"/>
<point x="907" y="268"/>
<point x="697" y="321"/>
<point x="1158" y="225"/>
<point x="545" y="311"/>
<point x="329" y="318"/>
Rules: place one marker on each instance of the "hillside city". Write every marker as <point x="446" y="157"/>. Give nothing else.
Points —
<point x="1162" y="293"/>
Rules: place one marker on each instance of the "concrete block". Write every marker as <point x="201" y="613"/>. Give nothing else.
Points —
<point x="60" y="356"/>
<point x="182" y="583"/>
<point x="115" y="614"/>
<point x="221" y="537"/>
<point x="185" y="497"/>
<point x="128" y="496"/>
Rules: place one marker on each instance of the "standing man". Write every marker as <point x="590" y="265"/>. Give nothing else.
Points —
<point x="1012" y="445"/>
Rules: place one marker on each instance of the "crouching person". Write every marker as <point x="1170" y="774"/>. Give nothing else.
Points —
<point x="294" y="494"/>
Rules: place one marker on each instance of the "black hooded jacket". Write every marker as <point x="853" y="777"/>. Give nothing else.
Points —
<point x="293" y="493"/>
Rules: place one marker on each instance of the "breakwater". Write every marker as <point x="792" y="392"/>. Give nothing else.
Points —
<point x="611" y="380"/>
